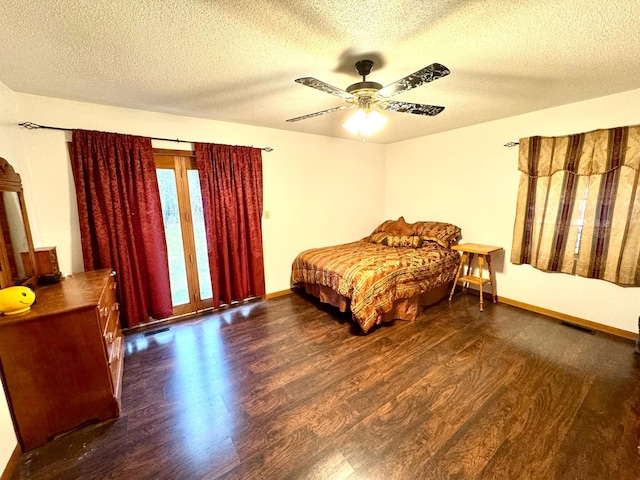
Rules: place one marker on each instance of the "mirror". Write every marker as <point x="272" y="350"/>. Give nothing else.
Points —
<point x="17" y="257"/>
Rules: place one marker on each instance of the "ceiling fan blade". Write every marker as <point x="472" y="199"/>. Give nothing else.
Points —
<point x="405" y="107"/>
<point x="324" y="87"/>
<point x="311" y="115"/>
<point x="427" y="74"/>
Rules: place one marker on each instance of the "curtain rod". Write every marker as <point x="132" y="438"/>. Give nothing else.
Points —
<point x="35" y="126"/>
<point x="511" y="144"/>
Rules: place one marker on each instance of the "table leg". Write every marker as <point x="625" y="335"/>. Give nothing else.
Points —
<point x="492" y="279"/>
<point x="455" y="281"/>
<point x="465" y="285"/>
<point x="480" y="259"/>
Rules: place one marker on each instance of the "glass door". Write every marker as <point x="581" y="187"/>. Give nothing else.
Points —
<point x="184" y="230"/>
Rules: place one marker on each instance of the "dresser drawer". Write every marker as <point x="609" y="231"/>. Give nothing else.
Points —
<point x="107" y="300"/>
<point x="116" y="366"/>
<point x="112" y="330"/>
<point x="114" y="354"/>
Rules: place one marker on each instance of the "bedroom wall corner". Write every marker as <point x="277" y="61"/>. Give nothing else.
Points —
<point x="467" y="177"/>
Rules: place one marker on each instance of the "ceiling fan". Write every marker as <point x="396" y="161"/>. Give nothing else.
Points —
<point x="364" y="95"/>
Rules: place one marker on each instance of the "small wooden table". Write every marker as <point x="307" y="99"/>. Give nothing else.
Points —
<point x="484" y="253"/>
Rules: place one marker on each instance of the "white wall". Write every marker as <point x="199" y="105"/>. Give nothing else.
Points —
<point x="469" y="178"/>
<point x="318" y="190"/>
<point x="324" y="191"/>
<point x="11" y="149"/>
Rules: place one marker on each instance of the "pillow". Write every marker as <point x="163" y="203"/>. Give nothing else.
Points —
<point x="444" y="234"/>
<point x="379" y="237"/>
<point x="404" y="241"/>
<point x="384" y="238"/>
<point x="399" y="227"/>
<point x="383" y="226"/>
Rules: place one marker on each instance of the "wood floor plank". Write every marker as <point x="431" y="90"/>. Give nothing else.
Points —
<point x="289" y="388"/>
<point x="442" y="392"/>
<point x="604" y="434"/>
<point x="327" y="464"/>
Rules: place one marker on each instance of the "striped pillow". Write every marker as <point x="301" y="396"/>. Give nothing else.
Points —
<point x="384" y="238"/>
<point x="404" y="241"/>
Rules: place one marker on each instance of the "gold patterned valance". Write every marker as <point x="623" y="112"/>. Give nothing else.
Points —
<point x="591" y="153"/>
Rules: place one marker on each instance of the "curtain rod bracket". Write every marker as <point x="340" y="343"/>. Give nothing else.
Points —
<point x="35" y="126"/>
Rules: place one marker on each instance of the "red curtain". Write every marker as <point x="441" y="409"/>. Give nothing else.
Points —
<point x="231" y="186"/>
<point x="121" y="223"/>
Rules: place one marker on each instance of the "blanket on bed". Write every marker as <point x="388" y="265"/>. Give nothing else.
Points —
<point x="374" y="275"/>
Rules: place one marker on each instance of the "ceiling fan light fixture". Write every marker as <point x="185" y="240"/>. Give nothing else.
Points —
<point x="365" y="122"/>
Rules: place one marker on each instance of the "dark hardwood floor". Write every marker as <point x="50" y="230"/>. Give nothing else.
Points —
<point x="288" y="388"/>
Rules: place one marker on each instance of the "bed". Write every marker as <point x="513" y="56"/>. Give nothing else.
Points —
<point x="391" y="274"/>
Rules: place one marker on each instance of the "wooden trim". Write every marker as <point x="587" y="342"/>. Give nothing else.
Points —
<point x="31" y="250"/>
<point x="618" y="332"/>
<point x="12" y="463"/>
<point x="6" y="279"/>
<point x="277" y="294"/>
<point x="174" y="153"/>
<point x="571" y="319"/>
<point x="164" y="162"/>
<point x="186" y="227"/>
<point x="9" y="180"/>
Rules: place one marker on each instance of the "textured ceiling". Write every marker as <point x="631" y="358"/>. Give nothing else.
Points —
<point x="237" y="61"/>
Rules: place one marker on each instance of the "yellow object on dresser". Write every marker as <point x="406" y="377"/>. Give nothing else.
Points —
<point x="15" y="300"/>
<point x="484" y="253"/>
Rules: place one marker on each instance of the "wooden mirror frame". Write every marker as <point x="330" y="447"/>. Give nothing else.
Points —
<point x="10" y="182"/>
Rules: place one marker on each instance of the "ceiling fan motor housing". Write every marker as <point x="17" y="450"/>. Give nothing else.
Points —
<point x="364" y="88"/>
<point x="364" y="67"/>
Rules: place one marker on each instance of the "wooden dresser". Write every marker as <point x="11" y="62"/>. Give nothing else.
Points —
<point x="62" y="361"/>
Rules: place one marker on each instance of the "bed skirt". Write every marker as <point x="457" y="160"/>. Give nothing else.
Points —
<point x="403" y="309"/>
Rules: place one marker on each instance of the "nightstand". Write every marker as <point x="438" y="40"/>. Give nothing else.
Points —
<point x="484" y="253"/>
